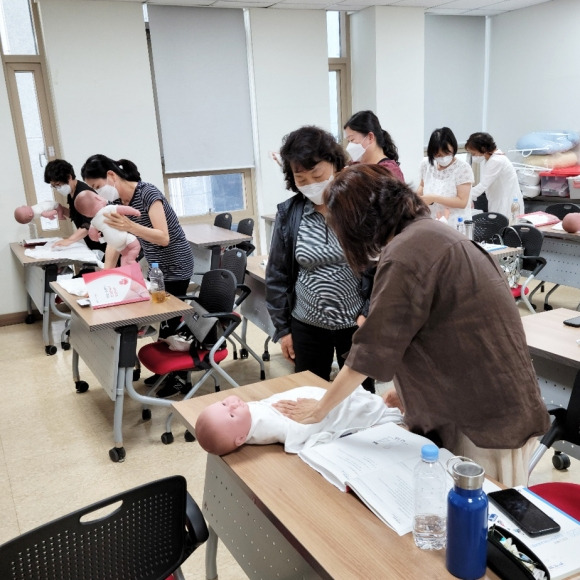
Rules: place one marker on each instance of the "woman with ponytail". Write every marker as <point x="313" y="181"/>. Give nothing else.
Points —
<point x="369" y="143"/>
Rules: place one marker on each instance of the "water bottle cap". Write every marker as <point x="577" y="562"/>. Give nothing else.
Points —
<point x="466" y="473"/>
<point x="430" y="452"/>
<point x="459" y="219"/>
<point x="155" y="265"/>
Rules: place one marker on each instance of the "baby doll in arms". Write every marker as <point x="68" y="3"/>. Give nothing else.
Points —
<point x="46" y="209"/>
<point x="227" y="424"/>
<point x="96" y="207"/>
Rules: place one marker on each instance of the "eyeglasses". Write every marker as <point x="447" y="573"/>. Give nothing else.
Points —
<point x="509" y="545"/>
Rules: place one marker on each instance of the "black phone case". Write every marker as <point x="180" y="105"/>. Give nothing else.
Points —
<point x="505" y="564"/>
<point x="573" y="322"/>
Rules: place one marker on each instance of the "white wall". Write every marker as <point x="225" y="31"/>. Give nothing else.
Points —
<point x="99" y="72"/>
<point x="454" y="74"/>
<point x="534" y="73"/>
<point x="290" y="83"/>
<point x="387" y="52"/>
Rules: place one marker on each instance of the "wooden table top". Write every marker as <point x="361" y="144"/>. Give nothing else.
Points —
<point x="138" y="313"/>
<point x="548" y="337"/>
<point x="207" y="235"/>
<point x="269" y="217"/>
<point x="561" y="234"/>
<point x="255" y="268"/>
<point x="337" y="533"/>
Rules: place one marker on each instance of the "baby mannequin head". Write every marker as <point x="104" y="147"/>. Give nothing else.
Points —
<point x="223" y="426"/>
<point x="88" y="203"/>
<point x="24" y="214"/>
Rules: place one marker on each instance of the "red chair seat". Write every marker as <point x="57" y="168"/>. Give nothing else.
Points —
<point x="159" y="359"/>
<point x="517" y="291"/>
<point x="565" y="496"/>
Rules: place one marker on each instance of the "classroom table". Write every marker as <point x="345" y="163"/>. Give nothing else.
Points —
<point x="281" y="519"/>
<point x="38" y="274"/>
<point x="269" y="220"/>
<point x="556" y="357"/>
<point x="253" y="308"/>
<point x="207" y="237"/>
<point x="106" y="340"/>
<point x="562" y="253"/>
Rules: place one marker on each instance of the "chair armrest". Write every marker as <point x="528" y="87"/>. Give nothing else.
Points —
<point x="195" y="523"/>
<point x="245" y="292"/>
<point x="540" y="263"/>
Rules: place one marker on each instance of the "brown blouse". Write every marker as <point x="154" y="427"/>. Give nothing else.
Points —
<point x="444" y="325"/>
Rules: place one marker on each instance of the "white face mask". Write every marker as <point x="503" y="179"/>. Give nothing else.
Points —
<point x="315" y="191"/>
<point x="355" y="150"/>
<point x="477" y="159"/>
<point x="444" y="161"/>
<point x="109" y="192"/>
<point x="63" y="189"/>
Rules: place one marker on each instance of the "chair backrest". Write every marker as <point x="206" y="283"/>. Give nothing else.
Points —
<point x="562" y="209"/>
<point x="235" y="260"/>
<point x="246" y="226"/>
<point x="223" y="220"/>
<point x="487" y="226"/>
<point x="217" y="292"/>
<point x="144" y="537"/>
<point x="526" y="236"/>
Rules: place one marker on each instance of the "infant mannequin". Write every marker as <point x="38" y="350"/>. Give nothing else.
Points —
<point x="96" y="207"/>
<point x="227" y="424"/>
<point x="47" y="209"/>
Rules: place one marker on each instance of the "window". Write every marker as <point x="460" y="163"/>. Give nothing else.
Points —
<point x="338" y="71"/>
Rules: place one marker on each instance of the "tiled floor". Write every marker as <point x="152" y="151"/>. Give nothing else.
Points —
<point x="54" y="443"/>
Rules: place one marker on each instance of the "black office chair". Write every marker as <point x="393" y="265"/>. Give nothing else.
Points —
<point x="487" y="227"/>
<point x="235" y="261"/>
<point x="148" y="536"/>
<point x="223" y="220"/>
<point x="246" y="226"/>
<point x="530" y="239"/>
<point x="560" y="210"/>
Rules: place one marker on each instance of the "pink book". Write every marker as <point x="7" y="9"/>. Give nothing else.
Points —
<point x="115" y="286"/>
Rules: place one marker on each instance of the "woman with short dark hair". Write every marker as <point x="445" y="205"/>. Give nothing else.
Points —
<point x="313" y="296"/>
<point x="464" y="378"/>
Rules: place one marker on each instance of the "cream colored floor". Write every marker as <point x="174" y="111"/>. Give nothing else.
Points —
<point x="54" y="442"/>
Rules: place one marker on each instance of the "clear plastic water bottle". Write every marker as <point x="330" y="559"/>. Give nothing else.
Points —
<point x="157" y="282"/>
<point x="515" y="211"/>
<point x="429" y="522"/>
<point x="460" y="225"/>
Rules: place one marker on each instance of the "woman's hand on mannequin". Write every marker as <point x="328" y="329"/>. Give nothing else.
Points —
<point x="391" y="399"/>
<point x="301" y="411"/>
<point x="287" y="347"/>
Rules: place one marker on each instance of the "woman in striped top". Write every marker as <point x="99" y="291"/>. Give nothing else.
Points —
<point x="313" y="296"/>
<point x="157" y="228"/>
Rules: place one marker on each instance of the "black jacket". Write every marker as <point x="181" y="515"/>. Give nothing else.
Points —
<point x="282" y="268"/>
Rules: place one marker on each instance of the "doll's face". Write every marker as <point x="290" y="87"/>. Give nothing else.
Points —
<point x="224" y="425"/>
<point x="89" y="203"/>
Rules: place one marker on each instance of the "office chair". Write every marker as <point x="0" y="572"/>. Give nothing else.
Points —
<point x="246" y="226"/>
<point x="235" y="261"/>
<point x="530" y="239"/>
<point x="223" y="220"/>
<point x="487" y="227"/>
<point x="211" y="323"/>
<point x="147" y="536"/>
<point x="560" y="210"/>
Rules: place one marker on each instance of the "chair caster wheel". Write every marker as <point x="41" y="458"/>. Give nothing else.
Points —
<point x="262" y="375"/>
<point x="243" y="353"/>
<point x="146" y="414"/>
<point x="82" y="386"/>
<point x="117" y="454"/>
<point x="189" y="436"/>
<point x="65" y="345"/>
<point x="29" y="319"/>
<point x="266" y="356"/>
<point x="235" y="355"/>
<point x="50" y="349"/>
<point x="560" y="461"/>
<point x="167" y="438"/>
<point x="548" y="307"/>
<point x="217" y="388"/>
<point x="136" y="374"/>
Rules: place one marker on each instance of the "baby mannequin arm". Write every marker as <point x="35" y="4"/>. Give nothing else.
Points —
<point x="126" y="210"/>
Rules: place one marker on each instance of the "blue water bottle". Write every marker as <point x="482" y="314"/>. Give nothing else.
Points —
<point x="466" y="520"/>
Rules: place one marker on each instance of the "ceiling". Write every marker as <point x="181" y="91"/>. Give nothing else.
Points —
<point x="442" y="7"/>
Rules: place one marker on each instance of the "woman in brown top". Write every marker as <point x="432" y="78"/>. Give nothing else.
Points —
<point x="442" y="323"/>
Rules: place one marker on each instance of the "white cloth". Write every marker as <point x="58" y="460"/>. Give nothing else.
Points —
<point x="499" y="180"/>
<point x="359" y="410"/>
<point x="444" y="182"/>
<point x="115" y="238"/>
<point x="77" y="252"/>
<point x="74" y="286"/>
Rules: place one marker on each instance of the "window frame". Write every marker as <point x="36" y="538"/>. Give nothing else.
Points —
<point x="342" y="66"/>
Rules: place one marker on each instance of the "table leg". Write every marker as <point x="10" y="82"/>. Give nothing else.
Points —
<point x="117" y="453"/>
<point x="211" y="555"/>
<point x="216" y="253"/>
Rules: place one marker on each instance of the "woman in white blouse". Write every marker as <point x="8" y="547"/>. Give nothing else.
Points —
<point x="445" y="180"/>
<point x="498" y="178"/>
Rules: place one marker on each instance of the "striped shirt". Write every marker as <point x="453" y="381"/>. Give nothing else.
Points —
<point x="327" y="291"/>
<point x="176" y="259"/>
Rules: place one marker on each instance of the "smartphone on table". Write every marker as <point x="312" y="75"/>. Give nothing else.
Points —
<point x="575" y="322"/>
<point x="529" y="517"/>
